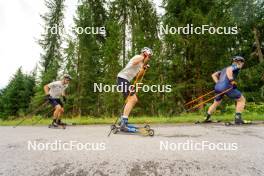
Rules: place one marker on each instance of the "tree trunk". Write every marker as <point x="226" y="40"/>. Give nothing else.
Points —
<point x="124" y="32"/>
<point x="256" y="37"/>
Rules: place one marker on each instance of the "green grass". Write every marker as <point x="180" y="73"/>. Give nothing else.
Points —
<point x="184" y="118"/>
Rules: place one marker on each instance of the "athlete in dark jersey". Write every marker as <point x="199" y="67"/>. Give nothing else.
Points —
<point x="225" y="79"/>
<point x="224" y="83"/>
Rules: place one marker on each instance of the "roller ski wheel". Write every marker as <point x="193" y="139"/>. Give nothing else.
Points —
<point x="151" y="132"/>
<point x="147" y="127"/>
<point x="114" y="129"/>
<point x="146" y="131"/>
<point x="228" y="123"/>
<point x="57" y="127"/>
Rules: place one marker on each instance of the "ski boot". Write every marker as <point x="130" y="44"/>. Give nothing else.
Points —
<point x="61" y="123"/>
<point x="125" y="127"/>
<point x="207" y="120"/>
<point x="56" y="124"/>
<point x="123" y="124"/>
<point x="238" y="121"/>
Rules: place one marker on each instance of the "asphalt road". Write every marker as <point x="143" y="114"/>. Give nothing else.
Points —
<point x="174" y="150"/>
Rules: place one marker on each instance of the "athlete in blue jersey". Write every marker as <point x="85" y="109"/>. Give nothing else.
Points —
<point x="225" y="79"/>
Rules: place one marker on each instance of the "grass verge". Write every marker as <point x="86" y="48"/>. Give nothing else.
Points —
<point x="183" y="118"/>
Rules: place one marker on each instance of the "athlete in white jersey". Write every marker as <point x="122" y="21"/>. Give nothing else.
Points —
<point x="134" y="67"/>
<point x="54" y="91"/>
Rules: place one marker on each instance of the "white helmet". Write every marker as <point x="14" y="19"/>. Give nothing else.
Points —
<point x="147" y="50"/>
<point x="238" y="58"/>
<point x="67" y="76"/>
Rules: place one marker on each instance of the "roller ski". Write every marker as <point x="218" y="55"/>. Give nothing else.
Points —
<point x="238" y="121"/>
<point x="245" y="122"/>
<point x="57" y="124"/>
<point x="131" y="129"/>
<point x="207" y="120"/>
<point x="124" y="127"/>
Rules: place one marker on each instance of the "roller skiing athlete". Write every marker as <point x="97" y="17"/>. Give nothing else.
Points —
<point x="54" y="91"/>
<point x="136" y="67"/>
<point x="225" y="82"/>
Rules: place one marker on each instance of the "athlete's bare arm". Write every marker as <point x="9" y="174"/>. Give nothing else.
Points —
<point x="229" y="73"/>
<point x="215" y="76"/>
<point x="138" y="59"/>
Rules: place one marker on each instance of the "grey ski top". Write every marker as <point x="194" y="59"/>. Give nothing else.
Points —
<point x="56" y="89"/>
<point x="130" y="70"/>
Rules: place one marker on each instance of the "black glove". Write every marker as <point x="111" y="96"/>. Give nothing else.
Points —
<point x="146" y="66"/>
<point x="47" y="97"/>
<point x="64" y="99"/>
<point x="234" y="84"/>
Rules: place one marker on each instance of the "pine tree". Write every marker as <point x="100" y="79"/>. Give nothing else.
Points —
<point x="51" y="40"/>
<point x="144" y="29"/>
<point x="111" y="64"/>
<point x="71" y="68"/>
<point x="90" y="13"/>
<point x="16" y="97"/>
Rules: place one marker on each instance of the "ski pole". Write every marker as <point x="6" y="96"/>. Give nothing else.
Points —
<point x="33" y="112"/>
<point x="225" y="91"/>
<point x="41" y="117"/>
<point x="199" y="98"/>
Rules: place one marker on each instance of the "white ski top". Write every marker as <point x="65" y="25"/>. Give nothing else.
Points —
<point x="130" y="71"/>
<point x="56" y="89"/>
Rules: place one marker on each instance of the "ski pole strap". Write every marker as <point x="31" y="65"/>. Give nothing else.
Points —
<point x="225" y="91"/>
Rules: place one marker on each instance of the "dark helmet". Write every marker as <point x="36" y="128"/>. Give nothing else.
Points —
<point x="238" y="58"/>
<point x="67" y="76"/>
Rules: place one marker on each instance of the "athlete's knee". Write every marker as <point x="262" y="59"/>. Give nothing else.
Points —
<point x="58" y="108"/>
<point x="133" y="99"/>
<point x="216" y="103"/>
<point x="62" y="110"/>
<point x="242" y="99"/>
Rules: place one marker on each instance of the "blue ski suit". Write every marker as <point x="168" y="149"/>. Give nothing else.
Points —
<point x="224" y="84"/>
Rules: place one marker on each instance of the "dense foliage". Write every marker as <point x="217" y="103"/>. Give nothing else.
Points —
<point x="185" y="61"/>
